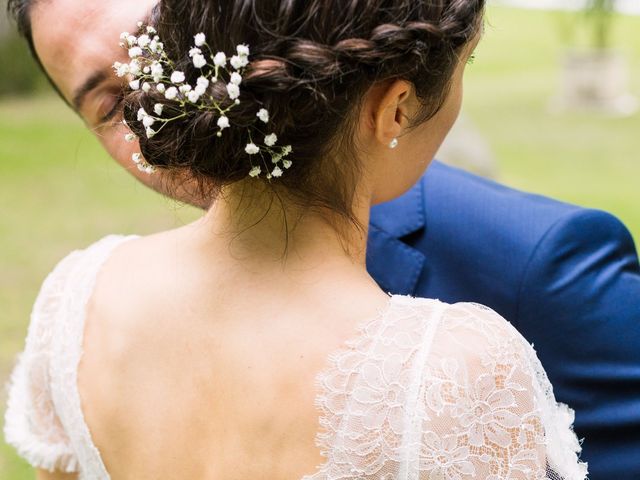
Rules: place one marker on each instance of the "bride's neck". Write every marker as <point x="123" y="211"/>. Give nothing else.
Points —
<point x="262" y="227"/>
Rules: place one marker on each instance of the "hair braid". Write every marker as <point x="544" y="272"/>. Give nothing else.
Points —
<point x="312" y="61"/>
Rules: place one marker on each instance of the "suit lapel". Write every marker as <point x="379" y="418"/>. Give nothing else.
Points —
<point x="394" y="264"/>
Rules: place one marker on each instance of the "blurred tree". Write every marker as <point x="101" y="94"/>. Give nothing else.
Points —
<point x="596" y="73"/>
<point x="600" y="13"/>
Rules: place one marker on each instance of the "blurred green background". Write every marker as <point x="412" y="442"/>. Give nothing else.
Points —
<point x="59" y="190"/>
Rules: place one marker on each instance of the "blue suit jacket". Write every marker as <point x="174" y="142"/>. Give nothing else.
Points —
<point x="566" y="277"/>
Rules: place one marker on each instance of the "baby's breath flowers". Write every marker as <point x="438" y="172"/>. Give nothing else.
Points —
<point x="150" y="69"/>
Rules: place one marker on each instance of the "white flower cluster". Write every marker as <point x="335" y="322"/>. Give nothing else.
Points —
<point x="151" y="69"/>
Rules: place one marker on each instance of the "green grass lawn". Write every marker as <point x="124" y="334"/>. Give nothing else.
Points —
<point x="585" y="159"/>
<point x="59" y="191"/>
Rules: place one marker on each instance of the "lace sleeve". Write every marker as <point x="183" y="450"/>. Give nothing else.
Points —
<point x="31" y="423"/>
<point x="487" y="407"/>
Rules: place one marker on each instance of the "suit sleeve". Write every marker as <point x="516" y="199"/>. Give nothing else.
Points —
<point x="579" y="303"/>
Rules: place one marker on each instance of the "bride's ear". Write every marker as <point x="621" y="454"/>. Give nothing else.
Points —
<point x="390" y="110"/>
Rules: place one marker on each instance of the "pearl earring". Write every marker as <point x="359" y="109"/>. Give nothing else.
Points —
<point x="394" y="143"/>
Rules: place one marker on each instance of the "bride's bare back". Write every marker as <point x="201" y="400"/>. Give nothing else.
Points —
<point x="203" y="352"/>
<point x="196" y="369"/>
<point x="421" y="388"/>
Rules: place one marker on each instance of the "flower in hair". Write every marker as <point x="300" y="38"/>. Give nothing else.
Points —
<point x="223" y="122"/>
<point x="220" y="60"/>
<point x="151" y="69"/>
<point x="177" y="77"/>
<point x="236" y="78"/>
<point x="263" y="115"/>
<point x="199" y="61"/>
<point x="252" y="149"/>
<point x="201" y="85"/>
<point x="200" y="39"/>
<point x="134" y="68"/>
<point x="121" y="69"/>
<point x="233" y="90"/>
<point x="135" y="52"/>
<point x="157" y="71"/>
<point x="270" y="140"/>
<point x="143" y="166"/>
<point x="144" y="41"/>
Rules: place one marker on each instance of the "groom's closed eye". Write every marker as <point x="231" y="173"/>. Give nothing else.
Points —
<point x="110" y="106"/>
<point x="103" y="104"/>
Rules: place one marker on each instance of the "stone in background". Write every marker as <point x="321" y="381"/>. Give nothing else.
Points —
<point x="466" y="148"/>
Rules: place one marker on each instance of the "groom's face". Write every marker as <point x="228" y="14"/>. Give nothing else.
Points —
<point x="77" y="42"/>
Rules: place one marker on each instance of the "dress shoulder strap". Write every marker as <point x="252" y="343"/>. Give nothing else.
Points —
<point x="369" y="388"/>
<point x="43" y="420"/>
<point x="67" y="350"/>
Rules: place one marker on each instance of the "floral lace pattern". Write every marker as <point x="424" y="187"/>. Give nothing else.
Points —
<point x="44" y="419"/>
<point x="426" y="391"/>
<point x="432" y="391"/>
<point x="31" y="424"/>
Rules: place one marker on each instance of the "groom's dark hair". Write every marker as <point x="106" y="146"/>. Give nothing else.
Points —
<point x="20" y="11"/>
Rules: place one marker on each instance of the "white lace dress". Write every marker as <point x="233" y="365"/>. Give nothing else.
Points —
<point x="424" y="391"/>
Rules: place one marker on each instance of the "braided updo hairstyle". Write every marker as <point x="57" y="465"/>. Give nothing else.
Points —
<point x="312" y="61"/>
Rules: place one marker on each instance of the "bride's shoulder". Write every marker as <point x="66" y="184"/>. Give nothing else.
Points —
<point x="480" y="318"/>
<point x="450" y="315"/>
<point x="71" y="275"/>
<point x="88" y="261"/>
<point x="78" y="260"/>
<point x="60" y="299"/>
<point x="463" y="329"/>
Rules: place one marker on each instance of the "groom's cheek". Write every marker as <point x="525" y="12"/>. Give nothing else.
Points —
<point x="113" y="141"/>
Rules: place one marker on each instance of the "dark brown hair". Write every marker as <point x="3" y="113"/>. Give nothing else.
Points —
<point x="20" y="10"/>
<point x="311" y="63"/>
